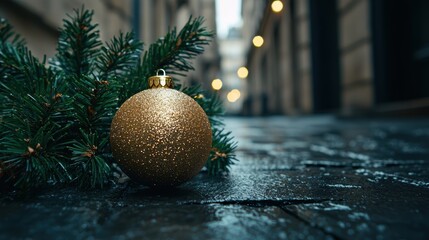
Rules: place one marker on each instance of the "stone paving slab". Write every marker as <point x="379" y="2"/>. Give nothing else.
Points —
<point x="298" y="178"/>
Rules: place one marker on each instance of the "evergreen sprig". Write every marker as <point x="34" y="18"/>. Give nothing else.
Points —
<point x="119" y="55"/>
<point x="92" y="72"/>
<point x="93" y="106"/>
<point x="91" y="168"/>
<point x="55" y="120"/>
<point x="222" y="154"/>
<point x="8" y="35"/>
<point x="32" y="148"/>
<point x="174" y="51"/>
<point x="78" y="45"/>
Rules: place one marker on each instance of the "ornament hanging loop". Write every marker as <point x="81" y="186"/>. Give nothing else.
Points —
<point x="161" y="81"/>
<point x="162" y="70"/>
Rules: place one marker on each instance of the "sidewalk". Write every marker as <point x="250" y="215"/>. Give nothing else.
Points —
<point x="298" y="178"/>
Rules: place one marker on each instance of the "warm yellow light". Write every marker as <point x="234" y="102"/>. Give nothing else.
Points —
<point x="233" y="95"/>
<point x="217" y="84"/>
<point x="277" y="6"/>
<point x="242" y="72"/>
<point x="258" y="41"/>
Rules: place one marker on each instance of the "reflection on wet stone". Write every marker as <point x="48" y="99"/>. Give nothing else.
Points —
<point x="298" y="178"/>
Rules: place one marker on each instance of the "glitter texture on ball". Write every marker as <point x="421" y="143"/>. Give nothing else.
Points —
<point x="161" y="137"/>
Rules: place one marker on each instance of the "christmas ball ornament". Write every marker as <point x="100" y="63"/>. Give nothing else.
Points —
<point x="160" y="136"/>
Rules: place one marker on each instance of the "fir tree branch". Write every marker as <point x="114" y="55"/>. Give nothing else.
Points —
<point x="214" y="109"/>
<point x="93" y="107"/>
<point x="222" y="155"/>
<point x="28" y="87"/>
<point x="8" y="35"/>
<point x="18" y="64"/>
<point x="119" y="56"/>
<point x="78" y="45"/>
<point x="85" y="86"/>
<point x="94" y="102"/>
<point x="174" y="51"/>
<point x="94" y="94"/>
<point x="31" y="147"/>
<point x="32" y="160"/>
<point x="118" y="63"/>
<point x="91" y="169"/>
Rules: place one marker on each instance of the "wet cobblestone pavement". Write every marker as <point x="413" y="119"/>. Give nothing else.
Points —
<point x="298" y="178"/>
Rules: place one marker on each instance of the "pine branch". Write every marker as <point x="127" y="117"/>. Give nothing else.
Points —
<point x="119" y="56"/>
<point x="32" y="160"/>
<point x="54" y="122"/>
<point x="222" y="154"/>
<point x="28" y="87"/>
<point x="93" y="100"/>
<point x="118" y="63"/>
<point x="78" y="45"/>
<point x="174" y="51"/>
<point x="94" y="90"/>
<point x="214" y="110"/>
<point x="18" y="64"/>
<point x="91" y="169"/>
<point x="31" y="146"/>
<point x="93" y="107"/>
<point x="8" y="35"/>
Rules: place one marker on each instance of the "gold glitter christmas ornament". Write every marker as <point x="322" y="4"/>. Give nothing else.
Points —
<point x="160" y="136"/>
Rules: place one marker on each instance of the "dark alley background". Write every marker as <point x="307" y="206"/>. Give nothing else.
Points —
<point x="339" y="56"/>
<point x="328" y="101"/>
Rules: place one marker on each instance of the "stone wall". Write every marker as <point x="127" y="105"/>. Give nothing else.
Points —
<point x="271" y="83"/>
<point x="280" y="71"/>
<point x="290" y="50"/>
<point x="303" y="53"/>
<point x="38" y="22"/>
<point x="355" y="55"/>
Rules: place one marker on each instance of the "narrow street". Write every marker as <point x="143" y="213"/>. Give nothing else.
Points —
<point x="316" y="177"/>
<point x="358" y="171"/>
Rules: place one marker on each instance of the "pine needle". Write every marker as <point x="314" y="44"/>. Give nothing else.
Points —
<point x="55" y="120"/>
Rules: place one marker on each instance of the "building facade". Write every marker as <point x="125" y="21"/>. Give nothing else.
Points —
<point x="232" y="51"/>
<point x="347" y="56"/>
<point x="38" y="22"/>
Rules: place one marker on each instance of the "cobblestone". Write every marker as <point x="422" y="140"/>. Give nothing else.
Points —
<point x="316" y="177"/>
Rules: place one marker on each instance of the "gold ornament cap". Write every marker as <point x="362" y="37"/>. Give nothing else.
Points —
<point x="161" y="81"/>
